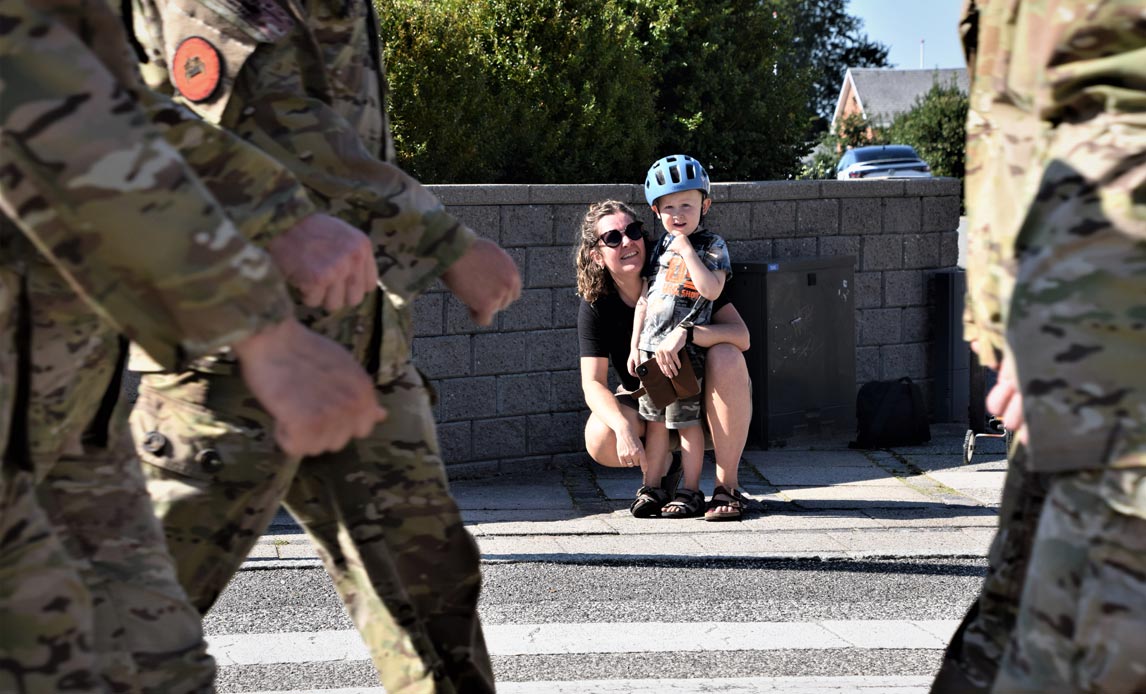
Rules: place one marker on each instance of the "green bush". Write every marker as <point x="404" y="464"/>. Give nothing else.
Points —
<point x="501" y="91"/>
<point x="591" y="91"/>
<point x="936" y="127"/>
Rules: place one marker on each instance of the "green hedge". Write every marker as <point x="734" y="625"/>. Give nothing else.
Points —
<point x="591" y="91"/>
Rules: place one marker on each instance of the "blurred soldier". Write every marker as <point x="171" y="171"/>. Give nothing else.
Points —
<point x="304" y="82"/>
<point x="107" y="230"/>
<point x="1056" y="191"/>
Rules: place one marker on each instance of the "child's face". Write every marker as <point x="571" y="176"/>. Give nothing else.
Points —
<point x="680" y="213"/>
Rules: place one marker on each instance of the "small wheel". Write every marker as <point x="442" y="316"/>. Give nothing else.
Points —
<point x="968" y="447"/>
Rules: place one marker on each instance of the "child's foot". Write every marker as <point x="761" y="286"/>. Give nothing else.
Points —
<point x="688" y="503"/>
<point x="649" y="502"/>
<point x="671" y="480"/>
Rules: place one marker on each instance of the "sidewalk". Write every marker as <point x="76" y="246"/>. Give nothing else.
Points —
<point x="823" y="502"/>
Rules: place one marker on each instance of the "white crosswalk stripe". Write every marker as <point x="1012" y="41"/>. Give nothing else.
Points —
<point x="582" y="638"/>
<point x="737" y="685"/>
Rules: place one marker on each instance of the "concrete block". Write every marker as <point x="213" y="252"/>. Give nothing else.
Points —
<point x="534" y="310"/>
<point x="867" y="364"/>
<point x="583" y="194"/>
<point x="948" y="248"/>
<point x="941" y="213"/>
<point x="840" y="245"/>
<point x="555" y="433"/>
<point x="565" y="306"/>
<point x="567" y="223"/>
<point x="917" y="324"/>
<point x="880" y="326"/>
<point x="429" y="314"/>
<point x="526" y="225"/>
<point x="794" y="248"/>
<point x="731" y="220"/>
<point x="817" y="217"/>
<point x="500" y="353"/>
<point x="484" y="219"/>
<point x="466" y="398"/>
<point x="454" y="440"/>
<point x="499" y="438"/>
<point x="481" y="194"/>
<point x="750" y="250"/>
<point x="443" y="357"/>
<point x="904" y="288"/>
<point x="884" y="252"/>
<point x="933" y="186"/>
<point x="766" y="190"/>
<point x="904" y="360"/>
<point x="523" y="393"/>
<point x="902" y="215"/>
<point x="773" y="219"/>
<point x="567" y="393"/>
<point x="869" y="289"/>
<point x="553" y="350"/>
<point x="921" y="251"/>
<point x="875" y="188"/>
<point x="550" y="267"/>
<point x="861" y="216"/>
<point x="458" y="318"/>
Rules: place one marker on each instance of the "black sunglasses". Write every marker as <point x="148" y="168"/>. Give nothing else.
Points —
<point x="612" y="239"/>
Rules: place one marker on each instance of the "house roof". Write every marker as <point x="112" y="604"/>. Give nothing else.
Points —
<point x="884" y="93"/>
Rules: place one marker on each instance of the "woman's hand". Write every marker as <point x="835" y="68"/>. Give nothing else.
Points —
<point x="630" y="450"/>
<point x="667" y="353"/>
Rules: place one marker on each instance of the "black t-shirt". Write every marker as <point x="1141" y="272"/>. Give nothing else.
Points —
<point x="605" y="329"/>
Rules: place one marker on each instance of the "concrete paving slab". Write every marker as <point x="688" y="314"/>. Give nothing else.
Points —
<point x="817" y="476"/>
<point x="678" y="544"/>
<point x="941" y="517"/>
<point x="494" y="548"/>
<point x="770" y="544"/>
<point x="929" y="462"/>
<point x="762" y="460"/>
<point x="899" y="494"/>
<point x="915" y="542"/>
<point x="520" y="494"/>
<point x="578" y="526"/>
<point x="502" y="515"/>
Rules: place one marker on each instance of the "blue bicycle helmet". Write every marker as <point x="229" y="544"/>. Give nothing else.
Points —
<point x="673" y="174"/>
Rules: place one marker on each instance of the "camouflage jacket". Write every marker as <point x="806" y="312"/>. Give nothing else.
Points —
<point x="1035" y="65"/>
<point x="304" y="81"/>
<point x="106" y="228"/>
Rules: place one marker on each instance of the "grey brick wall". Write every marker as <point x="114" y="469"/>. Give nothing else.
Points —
<point x="510" y="394"/>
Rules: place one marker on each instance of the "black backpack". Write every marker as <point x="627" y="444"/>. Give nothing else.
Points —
<point x="890" y="413"/>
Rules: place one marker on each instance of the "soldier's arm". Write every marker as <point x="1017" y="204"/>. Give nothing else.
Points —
<point x="113" y="205"/>
<point x="262" y="97"/>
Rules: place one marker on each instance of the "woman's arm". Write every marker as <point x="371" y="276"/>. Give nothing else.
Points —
<point x="728" y="327"/>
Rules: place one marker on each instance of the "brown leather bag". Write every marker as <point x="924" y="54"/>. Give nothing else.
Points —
<point x="663" y="390"/>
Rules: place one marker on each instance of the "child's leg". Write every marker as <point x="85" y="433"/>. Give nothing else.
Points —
<point x="656" y="453"/>
<point x="691" y="455"/>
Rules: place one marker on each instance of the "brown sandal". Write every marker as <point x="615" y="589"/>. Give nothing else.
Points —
<point x="688" y="503"/>
<point x="649" y="502"/>
<point x="722" y="497"/>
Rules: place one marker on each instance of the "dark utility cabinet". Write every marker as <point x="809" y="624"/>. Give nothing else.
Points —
<point x="952" y="356"/>
<point x="800" y="315"/>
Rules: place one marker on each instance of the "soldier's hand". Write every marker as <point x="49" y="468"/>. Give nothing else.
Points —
<point x="485" y="279"/>
<point x="330" y="262"/>
<point x="319" y="396"/>
<point x="1006" y="400"/>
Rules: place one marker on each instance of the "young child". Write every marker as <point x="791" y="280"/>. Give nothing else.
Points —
<point x="686" y="271"/>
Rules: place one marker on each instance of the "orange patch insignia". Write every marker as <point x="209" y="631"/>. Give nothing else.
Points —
<point x="196" y="68"/>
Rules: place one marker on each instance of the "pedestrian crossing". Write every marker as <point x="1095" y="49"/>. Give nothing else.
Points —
<point x="570" y="639"/>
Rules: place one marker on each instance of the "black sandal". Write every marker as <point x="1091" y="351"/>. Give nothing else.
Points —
<point x="688" y="503"/>
<point x="649" y="502"/>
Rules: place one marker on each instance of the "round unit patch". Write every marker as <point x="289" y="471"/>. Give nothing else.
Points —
<point x="196" y="68"/>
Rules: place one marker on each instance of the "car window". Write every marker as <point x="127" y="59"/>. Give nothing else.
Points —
<point x="863" y="154"/>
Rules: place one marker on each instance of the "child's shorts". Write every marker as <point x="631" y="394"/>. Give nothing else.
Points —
<point x="683" y="413"/>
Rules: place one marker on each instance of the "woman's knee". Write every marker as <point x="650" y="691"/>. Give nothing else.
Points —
<point x="600" y="442"/>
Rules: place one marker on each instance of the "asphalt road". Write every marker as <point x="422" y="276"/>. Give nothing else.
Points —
<point x="625" y="622"/>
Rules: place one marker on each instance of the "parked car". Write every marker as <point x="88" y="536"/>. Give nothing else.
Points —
<point x="882" y="161"/>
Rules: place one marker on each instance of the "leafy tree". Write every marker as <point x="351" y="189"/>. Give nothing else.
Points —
<point x="936" y="127"/>
<point x="827" y="42"/>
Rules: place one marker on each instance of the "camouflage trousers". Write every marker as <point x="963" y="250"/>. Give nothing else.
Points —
<point x="972" y="659"/>
<point x="379" y="512"/>
<point x="1082" y="617"/>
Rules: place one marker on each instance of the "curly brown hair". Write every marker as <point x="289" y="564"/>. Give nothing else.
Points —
<point x="593" y="281"/>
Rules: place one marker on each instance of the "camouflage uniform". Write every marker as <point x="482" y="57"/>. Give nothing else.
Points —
<point x="1058" y="258"/>
<point x="89" y="599"/>
<point x="304" y="83"/>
